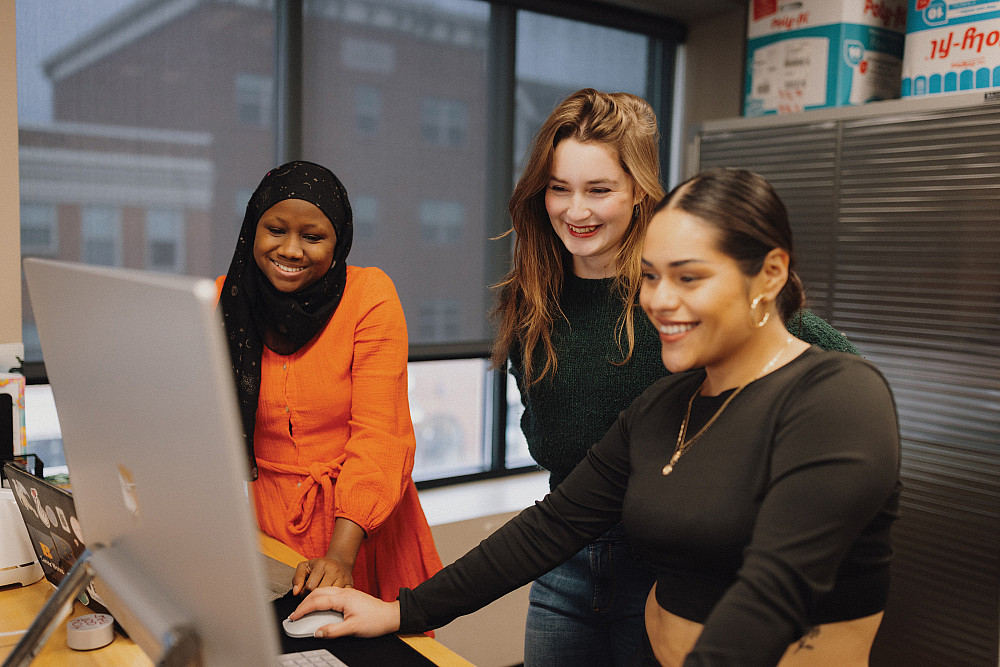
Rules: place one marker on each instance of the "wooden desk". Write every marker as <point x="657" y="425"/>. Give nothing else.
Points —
<point x="19" y="605"/>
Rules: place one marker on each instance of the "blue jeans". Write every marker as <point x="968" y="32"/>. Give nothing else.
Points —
<point x="589" y="611"/>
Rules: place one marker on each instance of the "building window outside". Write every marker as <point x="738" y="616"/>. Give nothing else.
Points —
<point x="367" y="55"/>
<point x="367" y="110"/>
<point x="441" y="222"/>
<point x="101" y="231"/>
<point x="254" y="99"/>
<point x="438" y="320"/>
<point x="165" y="238"/>
<point x="444" y="122"/>
<point x="365" y="210"/>
<point x="39" y="229"/>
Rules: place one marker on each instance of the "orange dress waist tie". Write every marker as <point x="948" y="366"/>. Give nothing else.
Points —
<point x="316" y="478"/>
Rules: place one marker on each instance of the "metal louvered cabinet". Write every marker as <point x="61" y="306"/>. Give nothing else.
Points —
<point x="895" y="209"/>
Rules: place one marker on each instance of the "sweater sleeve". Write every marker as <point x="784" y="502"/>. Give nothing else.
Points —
<point x="379" y="452"/>
<point x="583" y="507"/>
<point x="834" y="468"/>
<point x="814" y="330"/>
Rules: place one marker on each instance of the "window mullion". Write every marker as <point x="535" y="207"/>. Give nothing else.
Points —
<point x="288" y="40"/>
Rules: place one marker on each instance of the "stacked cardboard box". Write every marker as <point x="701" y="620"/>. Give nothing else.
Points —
<point x="809" y="54"/>
<point x="951" y="46"/>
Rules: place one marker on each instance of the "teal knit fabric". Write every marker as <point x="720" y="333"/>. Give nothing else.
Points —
<point x="566" y="413"/>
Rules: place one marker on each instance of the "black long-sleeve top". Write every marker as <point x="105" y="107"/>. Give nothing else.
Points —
<point x="777" y="519"/>
<point x="567" y="412"/>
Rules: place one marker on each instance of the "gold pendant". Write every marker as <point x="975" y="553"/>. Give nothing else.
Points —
<point x="667" y="469"/>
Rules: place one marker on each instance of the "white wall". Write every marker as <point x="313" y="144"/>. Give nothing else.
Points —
<point x="713" y="74"/>
<point x="10" y="228"/>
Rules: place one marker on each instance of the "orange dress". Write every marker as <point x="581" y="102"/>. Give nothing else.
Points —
<point x="333" y="438"/>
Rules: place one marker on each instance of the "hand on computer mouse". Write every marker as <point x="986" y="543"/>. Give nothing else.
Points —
<point x="306" y="626"/>
<point x="364" y="615"/>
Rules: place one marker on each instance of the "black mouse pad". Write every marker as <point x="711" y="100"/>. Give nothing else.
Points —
<point x="355" y="651"/>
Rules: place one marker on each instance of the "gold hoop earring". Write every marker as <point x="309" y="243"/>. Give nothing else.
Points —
<point x="753" y="307"/>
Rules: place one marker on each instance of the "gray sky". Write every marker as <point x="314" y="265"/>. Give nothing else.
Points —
<point x="43" y="27"/>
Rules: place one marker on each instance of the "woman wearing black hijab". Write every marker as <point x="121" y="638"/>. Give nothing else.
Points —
<point x="319" y="354"/>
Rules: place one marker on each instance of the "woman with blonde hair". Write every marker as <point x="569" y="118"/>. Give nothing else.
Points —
<point x="581" y="350"/>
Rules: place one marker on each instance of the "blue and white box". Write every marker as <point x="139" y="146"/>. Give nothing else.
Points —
<point x="952" y="46"/>
<point x="810" y="54"/>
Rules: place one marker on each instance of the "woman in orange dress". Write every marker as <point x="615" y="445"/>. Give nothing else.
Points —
<point x="319" y="352"/>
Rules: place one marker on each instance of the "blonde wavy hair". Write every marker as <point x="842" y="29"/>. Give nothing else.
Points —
<point x="528" y="296"/>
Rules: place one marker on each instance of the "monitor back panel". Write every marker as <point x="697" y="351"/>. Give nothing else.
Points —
<point x="145" y="398"/>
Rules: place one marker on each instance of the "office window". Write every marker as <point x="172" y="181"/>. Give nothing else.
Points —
<point x="517" y="445"/>
<point x="557" y="56"/>
<point x="415" y="74"/>
<point x="39" y="229"/>
<point x="444" y="122"/>
<point x="447" y="405"/>
<point x="367" y="110"/>
<point x="446" y="400"/>
<point x="101" y="235"/>
<point x="254" y="99"/>
<point x="42" y="431"/>
<point x="407" y="52"/>
<point x="365" y="209"/>
<point x="119" y="115"/>
<point x="165" y="240"/>
<point x="241" y="200"/>
<point x="441" y="222"/>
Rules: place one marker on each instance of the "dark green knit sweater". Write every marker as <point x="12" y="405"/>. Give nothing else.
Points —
<point x="566" y="413"/>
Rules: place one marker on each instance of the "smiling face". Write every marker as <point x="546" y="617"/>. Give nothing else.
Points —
<point x="589" y="199"/>
<point x="695" y="295"/>
<point x="294" y="244"/>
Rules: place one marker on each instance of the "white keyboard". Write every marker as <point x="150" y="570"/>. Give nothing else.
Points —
<point x="318" y="658"/>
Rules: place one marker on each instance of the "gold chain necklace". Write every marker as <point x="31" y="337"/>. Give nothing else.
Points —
<point x="681" y="447"/>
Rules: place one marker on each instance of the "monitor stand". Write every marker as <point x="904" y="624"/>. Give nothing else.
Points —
<point x="181" y="646"/>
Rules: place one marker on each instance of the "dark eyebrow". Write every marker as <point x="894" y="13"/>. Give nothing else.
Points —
<point x="595" y="181"/>
<point x="312" y="227"/>
<point x="674" y="265"/>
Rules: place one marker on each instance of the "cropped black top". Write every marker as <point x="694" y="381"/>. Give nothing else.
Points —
<point x="777" y="519"/>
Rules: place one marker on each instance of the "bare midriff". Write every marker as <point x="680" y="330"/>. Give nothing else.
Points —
<point x="841" y="644"/>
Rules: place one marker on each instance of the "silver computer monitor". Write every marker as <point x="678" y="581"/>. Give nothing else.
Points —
<point x="145" y="398"/>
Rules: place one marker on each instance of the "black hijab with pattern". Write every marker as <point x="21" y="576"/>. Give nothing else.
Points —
<point x="251" y="305"/>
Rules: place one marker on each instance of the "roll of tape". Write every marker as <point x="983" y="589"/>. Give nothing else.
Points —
<point x="85" y="633"/>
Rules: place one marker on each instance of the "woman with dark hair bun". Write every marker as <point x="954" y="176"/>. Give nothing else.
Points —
<point x="760" y="481"/>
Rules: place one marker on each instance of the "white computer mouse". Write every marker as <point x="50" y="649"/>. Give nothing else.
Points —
<point x="310" y="623"/>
